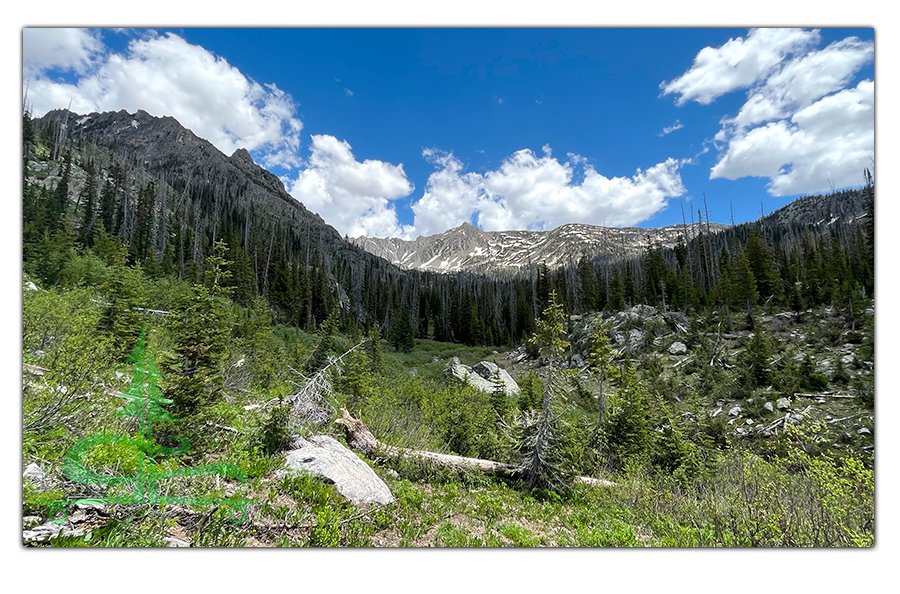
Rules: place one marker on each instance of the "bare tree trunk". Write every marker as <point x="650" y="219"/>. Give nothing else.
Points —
<point x="359" y="437"/>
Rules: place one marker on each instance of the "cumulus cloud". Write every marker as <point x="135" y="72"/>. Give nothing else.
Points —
<point x="164" y="76"/>
<point x="532" y="192"/>
<point x="800" y="127"/>
<point x="804" y="80"/>
<point x="354" y="197"/>
<point x="66" y="49"/>
<point x="826" y="143"/>
<point x="738" y="63"/>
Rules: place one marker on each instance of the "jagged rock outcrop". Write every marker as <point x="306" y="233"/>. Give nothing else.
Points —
<point x="481" y="376"/>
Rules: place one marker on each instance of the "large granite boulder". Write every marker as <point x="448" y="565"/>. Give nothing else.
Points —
<point x="481" y="376"/>
<point x="324" y="457"/>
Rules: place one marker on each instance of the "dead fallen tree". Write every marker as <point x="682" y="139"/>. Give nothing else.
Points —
<point x="360" y="438"/>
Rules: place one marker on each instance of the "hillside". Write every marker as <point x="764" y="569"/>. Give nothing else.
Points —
<point x="183" y="318"/>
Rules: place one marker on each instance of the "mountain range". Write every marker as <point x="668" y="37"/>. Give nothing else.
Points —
<point x="467" y="248"/>
<point x="169" y="196"/>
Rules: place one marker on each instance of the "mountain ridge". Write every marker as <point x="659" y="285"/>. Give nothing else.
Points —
<point x="467" y="248"/>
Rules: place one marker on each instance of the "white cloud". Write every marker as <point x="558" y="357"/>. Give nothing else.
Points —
<point x="804" y="80"/>
<point x="800" y="126"/>
<point x="165" y="76"/>
<point x="738" y="63"/>
<point x="531" y="192"/>
<point x="351" y="196"/>
<point x="826" y="143"/>
<point x="669" y="129"/>
<point x="348" y="92"/>
<point x="67" y="49"/>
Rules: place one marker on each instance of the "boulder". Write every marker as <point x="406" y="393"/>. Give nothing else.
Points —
<point x="678" y="348"/>
<point x="324" y="457"/>
<point x="644" y="310"/>
<point x="769" y="407"/>
<point x="783" y="403"/>
<point x="735" y="411"/>
<point x="481" y="376"/>
<point x="465" y="375"/>
<point x="35" y="474"/>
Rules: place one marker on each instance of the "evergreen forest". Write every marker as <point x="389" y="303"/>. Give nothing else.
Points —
<point x="715" y="394"/>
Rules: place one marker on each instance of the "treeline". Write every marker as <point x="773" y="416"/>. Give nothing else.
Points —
<point x="168" y="217"/>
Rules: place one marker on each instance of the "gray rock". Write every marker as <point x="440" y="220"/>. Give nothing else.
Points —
<point x="769" y="407"/>
<point x="486" y="369"/>
<point x="465" y="375"/>
<point x="326" y="458"/>
<point x="577" y="360"/>
<point x="30" y="521"/>
<point x="863" y="431"/>
<point x="173" y="542"/>
<point x="783" y="403"/>
<point x="635" y="335"/>
<point x="35" y="474"/>
<point x="678" y="348"/>
<point x="735" y="411"/>
<point x="481" y="376"/>
<point x="847" y="359"/>
<point x="644" y="310"/>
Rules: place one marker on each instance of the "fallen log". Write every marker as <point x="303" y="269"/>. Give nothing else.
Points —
<point x="360" y="438"/>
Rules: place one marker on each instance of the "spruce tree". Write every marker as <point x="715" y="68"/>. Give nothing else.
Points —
<point x="600" y="362"/>
<point x="402" y="334"/>
<point x="744" y="284"/>
<point x="202" y="325"/>
<point x="540" y="444"/>
<point x="768" y="282"/>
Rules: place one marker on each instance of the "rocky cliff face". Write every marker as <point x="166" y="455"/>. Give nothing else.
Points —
<point x="467" y="248"/>
<point x="163" y="149"/>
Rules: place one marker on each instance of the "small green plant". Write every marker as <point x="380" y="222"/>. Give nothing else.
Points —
<point x="519" y="535"/>
<point x="327" y="531"/>
<point x="276" y="430"/>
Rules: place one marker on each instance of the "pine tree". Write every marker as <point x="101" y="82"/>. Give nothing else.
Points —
<point x="768" y="283"/>
<point x="202" y="326"/>
<point x="498" y="395"/>
<point x="756" y="358"/>
<point x="402" y="334"/>
<point x="319" y="357"/>
<point x="626" y="430"/>
<point x="541" y="444"/>
<point x="744" y="284"/>
<point x="145" y="399"/>
<point x="90" y="204"/>
<point x="588" y="278"/>
<point x="600" y="363"/>
<point x="375" y="352"/>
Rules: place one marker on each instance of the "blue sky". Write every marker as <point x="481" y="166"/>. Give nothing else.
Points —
<point x="404" y="132"/>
